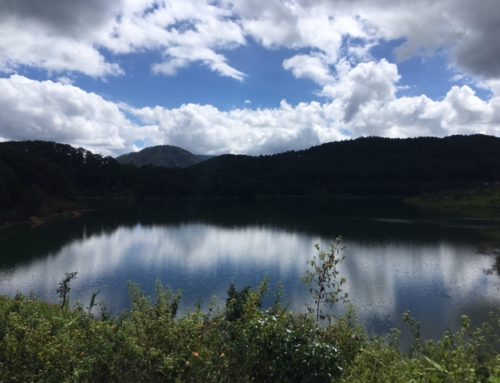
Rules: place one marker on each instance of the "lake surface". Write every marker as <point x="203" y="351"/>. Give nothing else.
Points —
<point x="396" y="258"/>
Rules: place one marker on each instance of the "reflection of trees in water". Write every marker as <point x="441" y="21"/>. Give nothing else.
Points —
<point x="492" y="249"/>
<point x="495" y="269"/>
<point x="371" y="220"/>
<point x="496" y="266"/>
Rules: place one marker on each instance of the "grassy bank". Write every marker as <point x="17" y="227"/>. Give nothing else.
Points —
<point x="476" y="202"/>
<point x="240" y="342"/>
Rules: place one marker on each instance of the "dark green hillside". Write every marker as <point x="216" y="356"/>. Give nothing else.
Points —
<point x="29" y="183"/>
<point x="364" y="166"/>
<point x="86" y="173"/>
<point x="39" y="178"/>
<point x="35" y="176"/>
<point x="163" y="155"/>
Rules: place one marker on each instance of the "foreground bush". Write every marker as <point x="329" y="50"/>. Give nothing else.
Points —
<point x="241" y="342"/>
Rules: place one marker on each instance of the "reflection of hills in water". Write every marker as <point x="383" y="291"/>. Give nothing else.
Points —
<point x="361" y="219"/>
<point x="390" y="266"/>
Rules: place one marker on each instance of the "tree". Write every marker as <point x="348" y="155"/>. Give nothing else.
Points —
<point x="323" y="280"/>
<point x="64" y="289"/>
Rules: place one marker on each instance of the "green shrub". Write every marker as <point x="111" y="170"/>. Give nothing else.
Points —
<point x="464" y="356"/>
<point x="42" y="342"/>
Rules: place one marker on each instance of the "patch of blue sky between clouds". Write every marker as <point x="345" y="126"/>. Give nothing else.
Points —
<point x="266" y="82"/>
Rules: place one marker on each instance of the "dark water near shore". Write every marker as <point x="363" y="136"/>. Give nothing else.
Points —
<point x="397" y="258"/>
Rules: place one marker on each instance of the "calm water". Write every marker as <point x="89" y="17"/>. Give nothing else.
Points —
<point x="396" y="258"/>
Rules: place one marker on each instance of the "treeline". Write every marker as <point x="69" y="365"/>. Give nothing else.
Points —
<point x="34" y="174"/>
<point x="364" y="166"/>
<point x="29" y="182"/>
<point x="38" y="177"/>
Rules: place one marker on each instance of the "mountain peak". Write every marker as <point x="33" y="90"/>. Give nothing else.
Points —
<point x="168" y="156"/>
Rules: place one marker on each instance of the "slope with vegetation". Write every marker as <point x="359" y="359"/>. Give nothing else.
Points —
<point x="34" y="174"/>
<point x="40" y="178"/>
<point x="162" y="155"/>
<point x="484" y="200"/>
<point x="365" y="166"/>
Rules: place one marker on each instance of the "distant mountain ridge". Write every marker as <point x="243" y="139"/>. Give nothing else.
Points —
<point x="167" y="156"/>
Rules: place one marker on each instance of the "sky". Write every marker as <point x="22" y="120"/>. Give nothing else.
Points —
<point x="246" y="76"/>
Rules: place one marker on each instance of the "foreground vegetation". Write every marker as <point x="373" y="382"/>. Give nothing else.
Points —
<point x="241" y="342"/>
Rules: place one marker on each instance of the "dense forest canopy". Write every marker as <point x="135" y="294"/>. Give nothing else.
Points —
<point x="35" y="174"/>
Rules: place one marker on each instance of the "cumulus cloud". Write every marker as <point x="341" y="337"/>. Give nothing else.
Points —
<point x="311" y="67"/>
<point x="364" y="102"/>
<point x="32" y="46"/>
<point x="70" y="17"/>
<point x="206" y="129"/>
<point x="185" y="32"/>
<point x="72" y="35"/>
<point x="365" y="84"/>
<point x="55" y="35"/>
<point x="52" y="111"/>
<point x="465" y="31"/>
<point x="478" y="51"/>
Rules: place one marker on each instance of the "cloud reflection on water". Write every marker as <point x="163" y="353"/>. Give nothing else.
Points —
<point x="384" y="278"/>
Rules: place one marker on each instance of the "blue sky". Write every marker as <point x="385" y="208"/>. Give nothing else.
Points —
<point x="246" y="76"/>
<point x="265" y="85"/>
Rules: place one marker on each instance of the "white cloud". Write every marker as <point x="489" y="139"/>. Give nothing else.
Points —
<point x="58" y="39"/>
<point x="465" y="30"/>
<point x="362" y="101"/>
<point x="33" y="46"/>
<point x="206" y="129"/>
<point x="183" y="56"/>
<point x="72" y="35"/>
<point x="311" y="67"/>
<point x="184" y="32"/>
<point x="365" y="84"/>
<point x="55" y="36"/>
<point x="47" y="110"/>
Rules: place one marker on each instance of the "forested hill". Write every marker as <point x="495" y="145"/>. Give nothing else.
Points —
<point x="366" y="166"/>
<point x="38" y="176"/>
<point x="162" y="155"/>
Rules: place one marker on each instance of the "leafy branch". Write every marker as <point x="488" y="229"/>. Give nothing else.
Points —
<point x="323" y="280"/>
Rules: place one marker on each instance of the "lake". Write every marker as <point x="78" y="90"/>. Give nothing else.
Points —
<point x="396" y="258"/>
